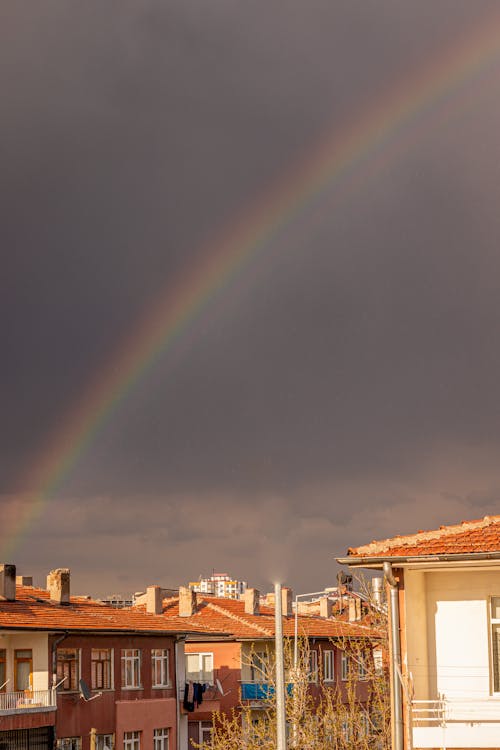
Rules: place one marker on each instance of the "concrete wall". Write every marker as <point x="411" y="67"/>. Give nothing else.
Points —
<point x="447" y="630"/>
<point x="38" y="643"/>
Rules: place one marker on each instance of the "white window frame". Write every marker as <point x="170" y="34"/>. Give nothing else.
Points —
<point x="312" y="667"/>
<point x="160" y="658"/>
<point x="161" y="739"/>
<point x="69" y="743"/>
<point x="329" y="665"/>
<point x="205" y="731"/>
<point x="200" y="675"/>
<point x="494" y="623"/>
<point x="362" y="660"/>
<point x="111" y="670"/>
<point x="259" y="666"/>
<point x="344" y="666"/>
<point x="133" y="657"/>
<point x="103" y="741"/>
<point x="132" y="740"/>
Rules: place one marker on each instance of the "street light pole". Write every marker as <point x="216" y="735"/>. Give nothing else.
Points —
<point x="280" y="671"/>
<point x="296" y="630"/>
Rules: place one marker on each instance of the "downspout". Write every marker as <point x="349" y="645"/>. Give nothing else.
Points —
<point x="396" y="673"/>
<point x="54" y="657"/>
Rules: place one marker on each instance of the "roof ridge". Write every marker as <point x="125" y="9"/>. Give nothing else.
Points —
<point x="242" y="620"/>
<point x="424" y="536"/>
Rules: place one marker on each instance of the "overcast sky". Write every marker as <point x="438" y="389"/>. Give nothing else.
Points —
<point x="346" y="386"/>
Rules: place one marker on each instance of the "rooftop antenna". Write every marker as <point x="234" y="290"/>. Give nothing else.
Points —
<point x="85" y="692"/>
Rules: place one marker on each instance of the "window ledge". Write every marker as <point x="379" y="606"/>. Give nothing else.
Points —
<point x="161" y="687"/>
<point x="137" y="687"/>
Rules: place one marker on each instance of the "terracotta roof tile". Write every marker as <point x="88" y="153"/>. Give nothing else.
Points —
<point x="34" y="610"/>
<point x="229" y="616"/>
<point x="482" y="535"/>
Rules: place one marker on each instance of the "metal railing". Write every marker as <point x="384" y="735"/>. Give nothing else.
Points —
<point x="27" y="701"/>
<point x="260" y="691"/>
<point x="445" y="710"/>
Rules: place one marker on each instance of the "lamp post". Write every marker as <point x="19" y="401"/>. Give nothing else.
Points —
<point x="280" y="671"/>
<point x="296" y="633"/>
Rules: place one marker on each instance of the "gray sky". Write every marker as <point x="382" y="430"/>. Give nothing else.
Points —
<point x="345" y="387"/>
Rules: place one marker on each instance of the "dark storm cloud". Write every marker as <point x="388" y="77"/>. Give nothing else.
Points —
<point x="347" y="381"/>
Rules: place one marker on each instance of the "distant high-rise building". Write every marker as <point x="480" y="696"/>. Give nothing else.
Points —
<point x="219" y="584"/>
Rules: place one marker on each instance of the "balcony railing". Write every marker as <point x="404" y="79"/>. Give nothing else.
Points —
<point x="260" y="691"/>
<point x="27" y="701"/>
<point x="447" y="710"/>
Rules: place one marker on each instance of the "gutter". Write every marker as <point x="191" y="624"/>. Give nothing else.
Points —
<point x="396" y="674"/>
<point x="374" y="561"/>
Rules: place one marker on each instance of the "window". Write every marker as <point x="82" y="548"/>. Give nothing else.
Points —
<point x="101" y="669"/>
<point x="259" y="666"/>
<point x="205" y="731"/>
<point x="160" y="739"/>
<point x="131" y="740"/>
<point x="328" y="666"/>
<point x="3" y="669"/>
<point x="313" y="666"/>
<point x="23" y="669"/>
<point x="344" y="666"/>
<point x="104" y="742"/>
<point x="362" y="666"/>
<point x="131" y="668"/>
<point x="495" y="641"/>
<point x="378" y="661"/>
<point x="200" y="667"/>
<point x="68" y="668"/>
<point x="69" y="743"/>
<point x="159" y="667"/>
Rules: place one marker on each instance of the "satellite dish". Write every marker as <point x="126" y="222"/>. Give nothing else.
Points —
<point x="85" y="692"/>
<point x="220" y="688"/>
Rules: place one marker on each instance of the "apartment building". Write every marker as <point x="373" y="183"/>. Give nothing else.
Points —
<point x="231" y="667"/>
<point x="220" y="585"/>
<point x="444" y="592"/>
<point x="85" y="676"/>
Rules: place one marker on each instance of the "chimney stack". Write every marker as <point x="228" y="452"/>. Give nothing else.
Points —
<point x="187" y="601"/>
<point x="252" y="601"/>
<point x="286" y="601"/>
<point x="154" y="600"/>
<point x="325" y="607"/>
<point x="377" y="590"/>
<point x="354" y="609"/>
<point x="24" y="580"/>
<point x="7" y="582"/>
<point x="58" y="585"/>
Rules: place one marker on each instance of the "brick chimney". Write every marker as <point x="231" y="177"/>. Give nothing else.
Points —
<point x="24" y="580"/>
<point x="252" y="601"/>
<point x="187" y="601"/>
<point x="286" y="601"/>
<point x="58" y="585"/>
<point x="325" y="607"/>
<point x="154" y="600"/>
<point x="7" y="582"/>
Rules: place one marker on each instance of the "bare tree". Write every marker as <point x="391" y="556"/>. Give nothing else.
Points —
<point x="351" y="713"/>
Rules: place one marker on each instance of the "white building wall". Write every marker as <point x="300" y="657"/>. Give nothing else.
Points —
<point x="448" y="652"/>
<point x="38" y="643"/>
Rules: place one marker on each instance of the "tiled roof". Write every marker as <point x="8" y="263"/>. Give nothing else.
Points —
<point x="229" y="616"/>
<point x="34" y="610"/>
<point x="470" y="537"/>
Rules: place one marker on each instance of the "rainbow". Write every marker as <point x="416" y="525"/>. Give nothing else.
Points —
<point x="333" y="163"/>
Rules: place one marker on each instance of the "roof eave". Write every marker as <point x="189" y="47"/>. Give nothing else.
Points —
<point x="377" y="561"/>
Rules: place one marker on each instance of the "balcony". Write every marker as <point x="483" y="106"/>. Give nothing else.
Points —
<point x="27" y="701"/>
<point x="260" y="691"/>
<point x="456" y="722"/>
